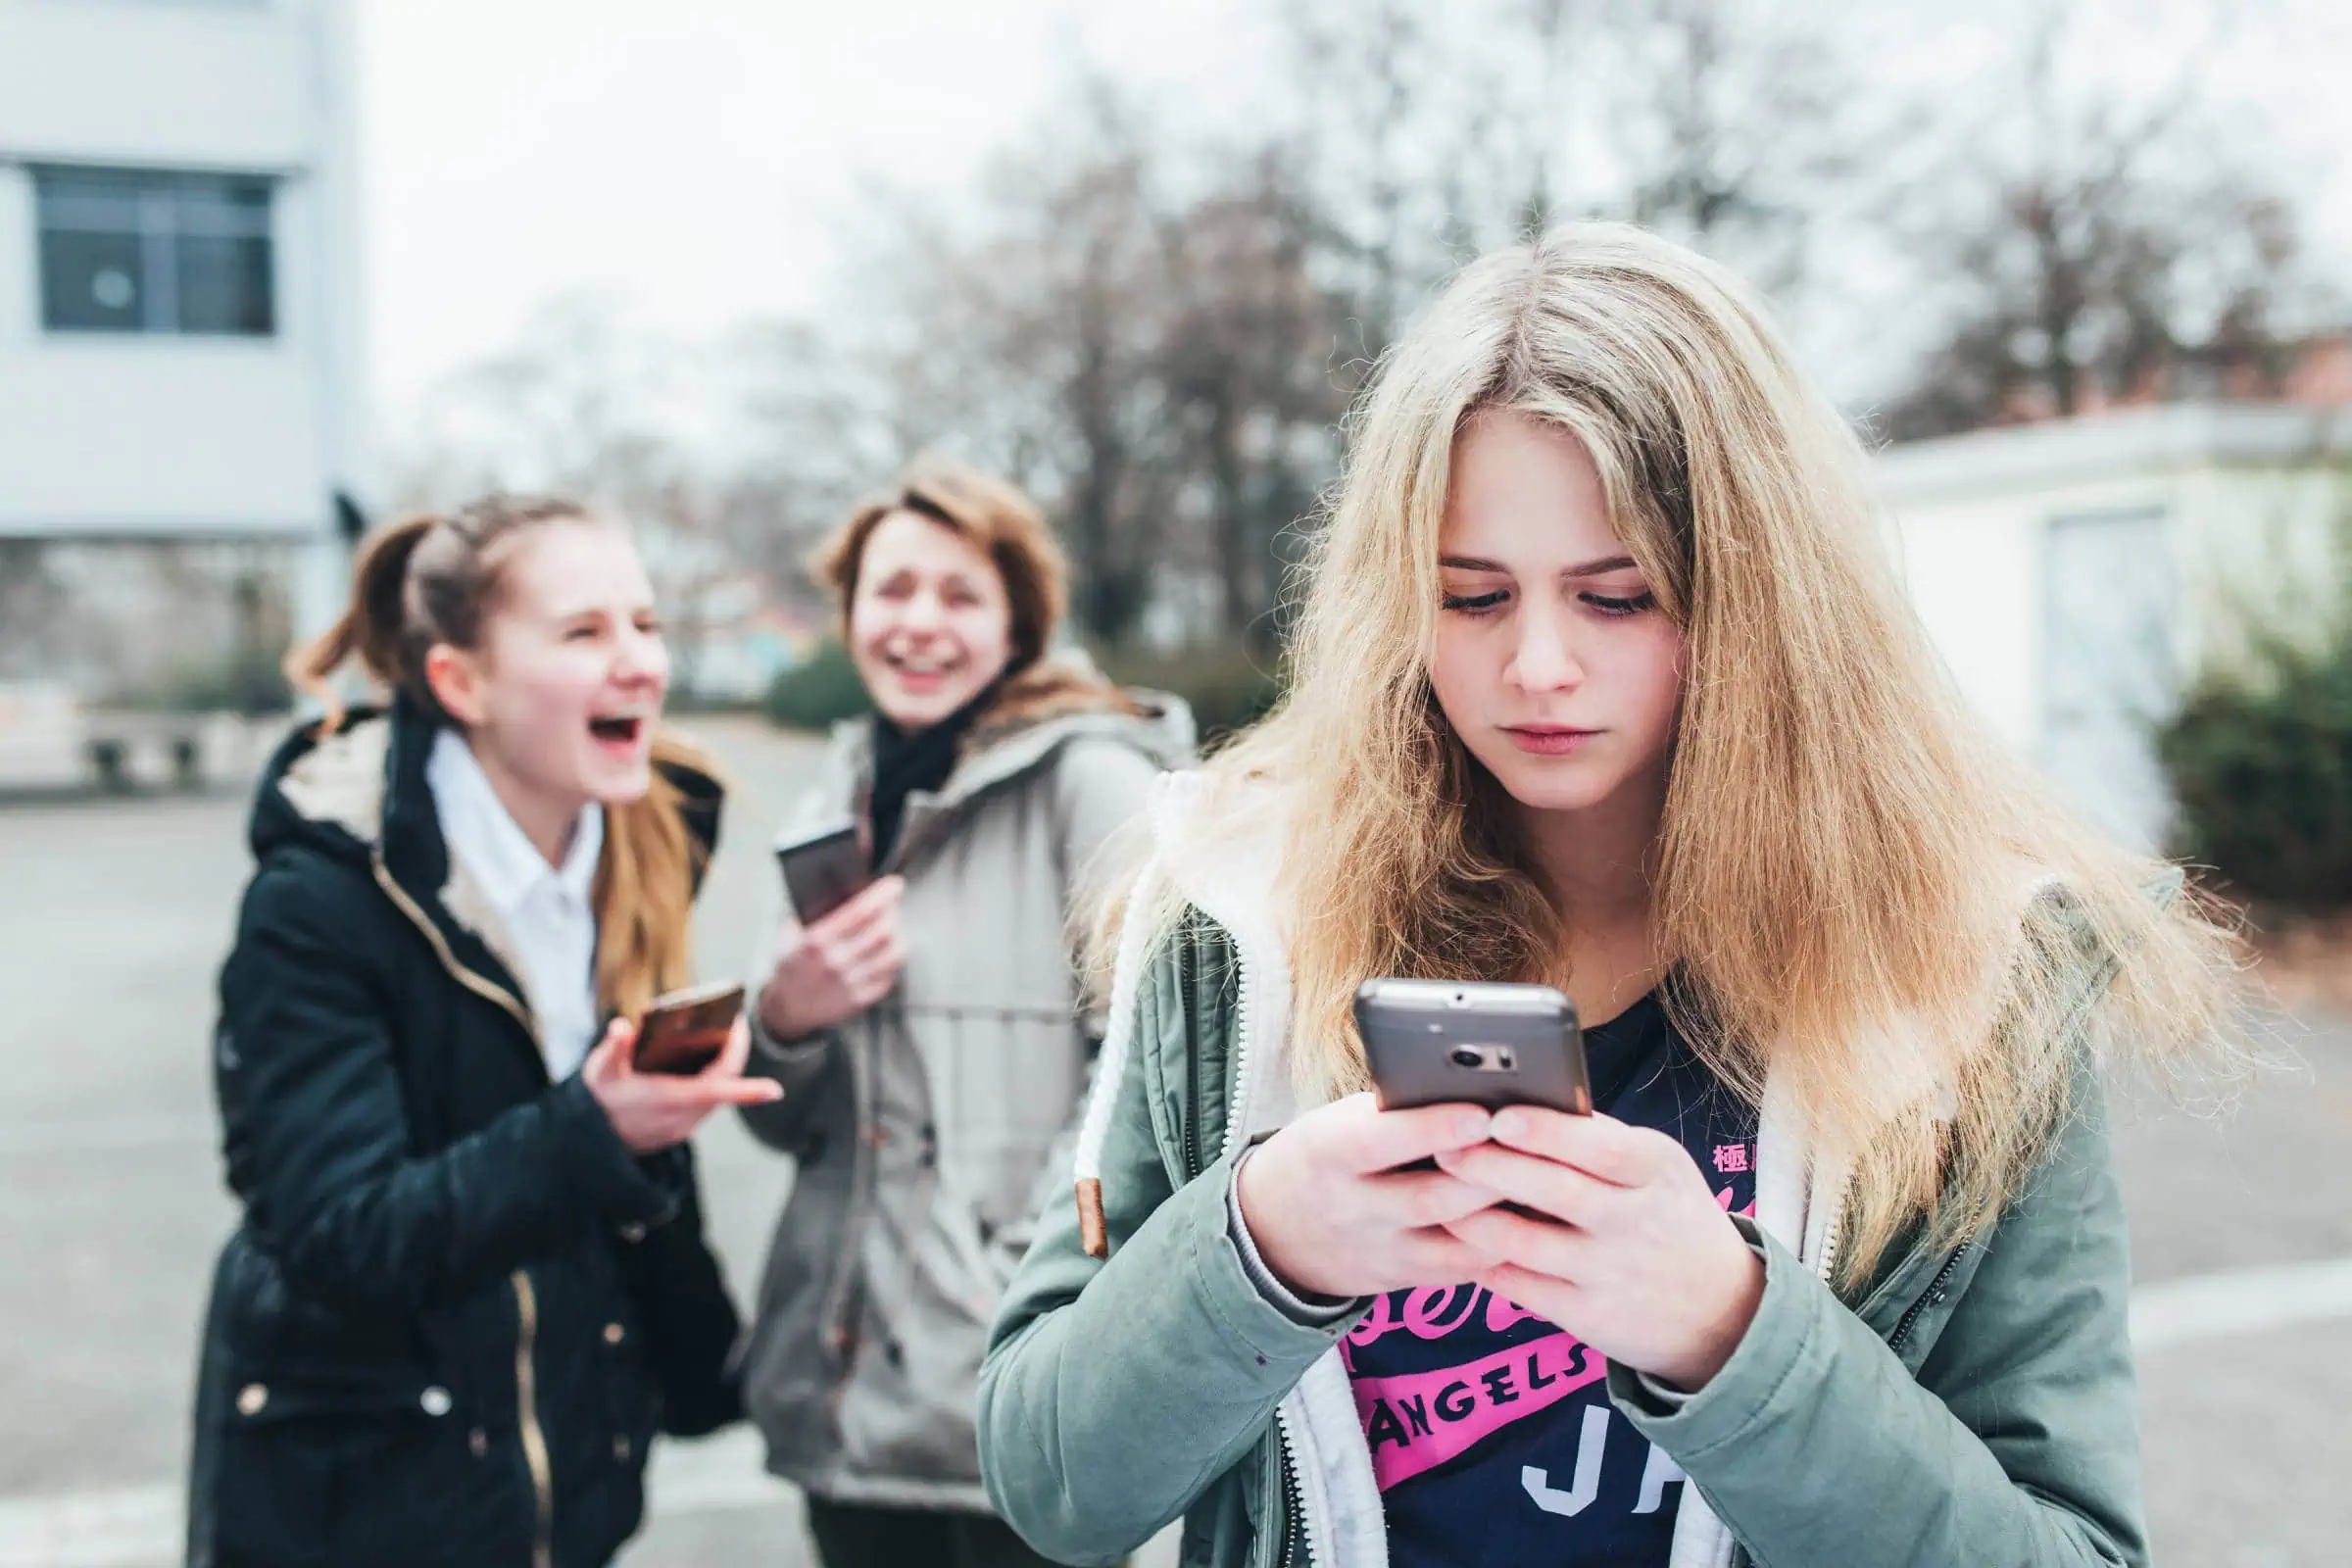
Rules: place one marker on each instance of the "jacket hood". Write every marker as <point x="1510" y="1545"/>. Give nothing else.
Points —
<point x="327" y="788"/>
<point x="361" y="787"/>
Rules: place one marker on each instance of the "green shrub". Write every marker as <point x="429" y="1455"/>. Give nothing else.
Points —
<point x="1229" y="689"/>
<point x="818" y="692"/>
<point x="2260" y="762"/>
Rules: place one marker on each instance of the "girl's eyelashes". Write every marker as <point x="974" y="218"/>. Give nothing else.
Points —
<point x="1605" y="603"/>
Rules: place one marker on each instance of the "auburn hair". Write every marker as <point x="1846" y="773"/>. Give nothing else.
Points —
<point x="433" y="579"/>
<point x="1842" y="870"/>
<point x="999" y="519"/>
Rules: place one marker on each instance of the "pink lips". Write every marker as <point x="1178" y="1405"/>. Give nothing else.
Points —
<point x="1549" y="740"/>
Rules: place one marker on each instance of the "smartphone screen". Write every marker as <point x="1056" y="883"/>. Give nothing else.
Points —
<point x="824" y="871"/>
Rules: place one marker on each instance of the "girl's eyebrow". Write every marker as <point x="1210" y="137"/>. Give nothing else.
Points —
<point x="1590" y="568"/>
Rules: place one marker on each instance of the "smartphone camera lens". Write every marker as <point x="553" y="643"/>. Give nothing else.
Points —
<point x="1464" y="1056"/>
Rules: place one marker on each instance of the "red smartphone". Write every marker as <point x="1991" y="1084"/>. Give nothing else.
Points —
<point x="683" y="1032"/>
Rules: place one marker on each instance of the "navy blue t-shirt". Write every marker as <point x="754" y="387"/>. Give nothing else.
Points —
<point x="1491" y="1434"/>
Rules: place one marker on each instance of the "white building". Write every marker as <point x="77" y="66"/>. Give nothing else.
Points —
<point x="180" y="355"/>
<point x="2076" y="574"/>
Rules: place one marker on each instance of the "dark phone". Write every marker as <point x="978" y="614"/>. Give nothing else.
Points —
<point x="824" y="871"/>
<point x="1443" y="1041"/>
<point x="683" y="1032"/>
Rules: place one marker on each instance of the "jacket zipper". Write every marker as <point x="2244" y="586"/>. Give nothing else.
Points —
<point x="1297" y="1552"/>
<point x="1827" y="1263"/>
<point x="1188" y="975"/>
<point x="526" y="1405"/>
<point x="1298" y="1534"/>
<point x="449" y="960"/>
<point x="526" y="1304"/>
<point x="1934" y="1291"/>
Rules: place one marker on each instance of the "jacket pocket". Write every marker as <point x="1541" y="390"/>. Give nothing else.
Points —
<point x="354" y="1468"/>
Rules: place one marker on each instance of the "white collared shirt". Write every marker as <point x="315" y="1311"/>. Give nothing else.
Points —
<point x="549" y="919"/>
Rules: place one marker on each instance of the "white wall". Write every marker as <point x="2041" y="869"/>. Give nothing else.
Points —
<point x="148" y="436"/>
<point x="221" y="86"/>
<point x="2251" y="495"/>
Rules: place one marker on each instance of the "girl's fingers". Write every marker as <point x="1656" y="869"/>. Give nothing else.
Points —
<point x="743" y="1092"/>
<point x="614" y="1057"/>
<point x="1603" y="1146"/>
<point x="1424" y="1198"/>
<point x="1373" y="1140"/>
<point x="863" y="949"/>
<point x="1436" y="1254"/>
<point x="1567" y="1194"/>
<point x="734" y="1053"/>
<point x="871" y="907"/>
<point x="1555" y="1299"/>
<point x="1501" y="1237"/>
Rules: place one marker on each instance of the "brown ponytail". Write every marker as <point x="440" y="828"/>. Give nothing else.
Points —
<point x="433" y="579"/>
<point x="369" y="629"/>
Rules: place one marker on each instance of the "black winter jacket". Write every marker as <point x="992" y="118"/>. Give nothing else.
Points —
<point x="458" y="1309"/>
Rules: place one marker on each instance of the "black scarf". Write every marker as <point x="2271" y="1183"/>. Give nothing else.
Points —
<point x="906" y="761"/>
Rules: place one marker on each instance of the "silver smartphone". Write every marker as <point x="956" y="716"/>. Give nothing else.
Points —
<point x="1446" y="1042"/>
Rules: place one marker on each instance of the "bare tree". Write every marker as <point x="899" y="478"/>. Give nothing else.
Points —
<point x="2118" y="244"/>
<point x="1253" y="362"/>
<point x="589" y="405"/>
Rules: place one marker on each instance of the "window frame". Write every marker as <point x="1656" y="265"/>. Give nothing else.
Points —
<point x="170" y="212"/>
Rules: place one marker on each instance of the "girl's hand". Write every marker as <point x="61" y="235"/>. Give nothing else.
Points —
<point x="838" y="967"/>
<point x="1331" y="1213"/>
<point x="653" y="1110"/>
<point x="1634" y="1254"/>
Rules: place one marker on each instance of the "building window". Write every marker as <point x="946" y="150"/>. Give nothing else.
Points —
<point x="127" y="251"/>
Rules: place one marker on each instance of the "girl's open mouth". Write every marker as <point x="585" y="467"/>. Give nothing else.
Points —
<point x="618" y="733"/>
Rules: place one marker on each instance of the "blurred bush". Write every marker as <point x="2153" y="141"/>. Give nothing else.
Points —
<point x="818" y="692"/>
<point x="2260" y="762"/>
<point x="250" y="683"/>
<point x="1229" y="689"/>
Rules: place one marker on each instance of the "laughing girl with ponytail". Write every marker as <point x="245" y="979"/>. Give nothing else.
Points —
<point x="470" y="1282"/>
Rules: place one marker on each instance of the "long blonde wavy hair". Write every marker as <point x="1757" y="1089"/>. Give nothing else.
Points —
<point x="1844" y="867"/>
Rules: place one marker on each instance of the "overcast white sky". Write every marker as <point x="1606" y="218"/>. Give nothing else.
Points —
<point x="695" y="156"/>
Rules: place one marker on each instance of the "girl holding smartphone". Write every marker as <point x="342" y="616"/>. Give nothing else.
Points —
<point x="1604" y="681"/>
<point x="470" y="1282"/>
<point x="930" y="1031"/>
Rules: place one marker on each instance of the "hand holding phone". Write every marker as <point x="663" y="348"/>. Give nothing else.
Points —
<point x="836" y="966"/>
<point x="1346" y="1200"/>
<point x="653" y="1110"/>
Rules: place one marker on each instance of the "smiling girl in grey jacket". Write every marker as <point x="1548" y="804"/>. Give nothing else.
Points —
<point x="928" y="1033"/>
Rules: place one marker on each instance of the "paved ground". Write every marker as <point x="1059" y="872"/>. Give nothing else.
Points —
<point x="113" y="915"/>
